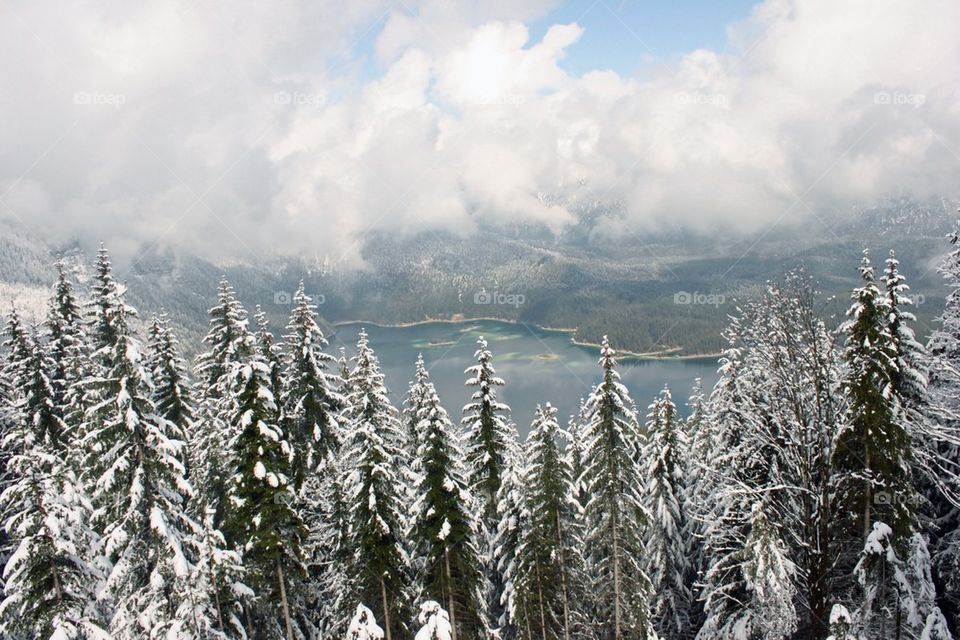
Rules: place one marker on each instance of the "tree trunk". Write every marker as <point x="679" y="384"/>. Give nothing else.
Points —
<point x="543" y="616"/>
<point x="284" y="603"/>
<point x="450" y="611"/>
<point x="563" y="581"/>
<point x="617" y="633"/>
<point x="386" y="609"/>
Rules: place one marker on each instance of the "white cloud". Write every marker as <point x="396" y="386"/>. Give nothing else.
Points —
<point x="121" y="116"/>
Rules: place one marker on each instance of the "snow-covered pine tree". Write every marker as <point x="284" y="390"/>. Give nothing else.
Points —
<point x="512" y="511"/>
<point x="310" y="397"/>
<point x="271" y="353"/>
<point x="944" y="417"/>
<point x="172" y="389"/>
<point x="771" y="611"/>
<point x="373" y="449"/>
<point x="575" y="453"/>
<point x="435" y="622"/>
<point x="412" y="405"/>
<point x="263" y="517"/>
<point x="49" y="586"/>
<point x="550" y="573"/>
<point x="363" y="625"/>
<point x="230" y="343"/>
<point x="841" y="624"/>
<point x="109" y="311"/>
<point x="139" y="490"/>
<point x="875" y="497"/>
<point x="616" y="514"/>
<point x="487" y="425"/>
<point x="667" y="537"/>
<point x="330" y="547"/>
<point x="67" y="350"/>
<point x="489" y="438"/>
<point x="908" y="379"/>
<point x="447" y="561"/>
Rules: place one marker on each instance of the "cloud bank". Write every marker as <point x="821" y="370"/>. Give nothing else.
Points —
<point x="242" y="128"/>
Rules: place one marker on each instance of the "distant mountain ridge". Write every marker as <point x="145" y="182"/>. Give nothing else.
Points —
<point x="648" y="291"/>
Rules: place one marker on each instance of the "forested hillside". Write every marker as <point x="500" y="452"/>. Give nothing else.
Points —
<point x="274" y="490"/>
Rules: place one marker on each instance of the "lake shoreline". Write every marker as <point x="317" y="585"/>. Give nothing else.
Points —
<point x="622" y="353"/>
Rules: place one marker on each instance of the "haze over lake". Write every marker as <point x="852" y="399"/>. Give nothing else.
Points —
<point x="538" y="365"/>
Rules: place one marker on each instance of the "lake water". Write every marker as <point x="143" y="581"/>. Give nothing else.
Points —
<point x="538" y="365"/>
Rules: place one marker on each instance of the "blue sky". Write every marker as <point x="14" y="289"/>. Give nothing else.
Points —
<point x="620" y="34"/>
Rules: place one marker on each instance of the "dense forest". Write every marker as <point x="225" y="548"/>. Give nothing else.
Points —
<point x="275" y="491"/>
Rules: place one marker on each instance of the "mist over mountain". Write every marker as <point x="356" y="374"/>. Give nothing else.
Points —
<point x="667" y="292"/>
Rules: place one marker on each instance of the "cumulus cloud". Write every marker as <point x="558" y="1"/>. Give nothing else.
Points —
<point x="242" y="128"/>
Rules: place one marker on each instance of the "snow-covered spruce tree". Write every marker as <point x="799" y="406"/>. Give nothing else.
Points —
<point x="489" y="437"/>
<point x="898" y="596"/>
<point x="875" y="496"/>
<point x="49" y="587"/>
<point x="310" y="397"/>
<point x="944" y="416"/>
<point x="550" y="572"/>
<point x="447" y="561"/>
<point x="841" y="624"/>
<point x="373" y="449"/>
<point x="67" y="350"/>
<point x="363" y="625"/>
<point x="109" y="311"/>
<point x="172" y="390"/>
<point x="698" y="428"/>
<point x="575" y="453"/>
<point x="271" y="353"/>
<point x="263" y="520"/>
<point x="616" y="515"/>
<point x="435" y="622"/>
<point x="412" y="405"/>
<point x="512" y="512"/>
<point x="771" y="610"/>
<point x="667" y="537"/>
<point x="230" y="343"/>
<point x="139" y="491"/>
<point x="772" y="418"/>
<point x="487" y="424"/>
<point x="330" y="548"/>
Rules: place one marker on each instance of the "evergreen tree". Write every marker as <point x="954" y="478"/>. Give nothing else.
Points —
<point x="944" y="416"/>
<point x="771" y="612"/>
<point x="310" y="396"/>
<point x="263" y="520"/>
<point x="575" y="458"/>
<point x="412" y="405"/>
<point x="230" y="344"/>
<point x="487" y="424"/>
<point x="67" y="351"/>
<point x="49" y="586"/>
<point x="549" y="568"/>
<point x="512" y="511"/>
<point x="435" y="621"/>
<point x="140" y="491"/>
<point x="668" y="534"/>
<point x="363" y="626"/>
<point x="110" y="312"/>
<point x="448" y="562"/>
<point x="172" y="390"/>
<point x="615" y="514"/>
<point x="331" y="548"/>
<point x="373" y="449"/>
<point x="489" y="437"/>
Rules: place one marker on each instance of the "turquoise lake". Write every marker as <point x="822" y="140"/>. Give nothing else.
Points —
<point x="538" y="365"/>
